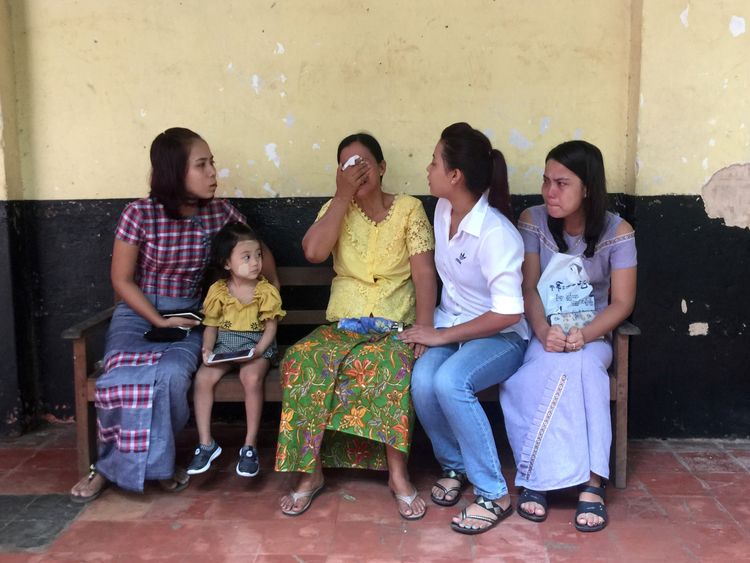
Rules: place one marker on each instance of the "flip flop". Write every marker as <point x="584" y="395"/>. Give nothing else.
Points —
<point x="81" y="499"/>
<point x="449" y="474"/>
<point x="179" y="481"/>
<point x="489" y="505"/>
<point x="589" y="507"/>
<point x="310" y="495"/>
<point x="408" y="501"/>
<point x="529" y="495"/>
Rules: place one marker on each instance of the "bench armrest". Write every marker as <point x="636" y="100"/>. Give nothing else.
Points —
<point x="627" y="328"/>
<point x="80" y="329"/>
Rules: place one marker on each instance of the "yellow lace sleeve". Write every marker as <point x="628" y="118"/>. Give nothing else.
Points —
<point x="419" y="235"/>
<point x="269" y="302"/>
<point x="323" y="209"/>
<point x="214" y="303"/>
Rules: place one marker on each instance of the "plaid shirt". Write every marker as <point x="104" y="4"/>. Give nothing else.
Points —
<point x="173" y="252"/>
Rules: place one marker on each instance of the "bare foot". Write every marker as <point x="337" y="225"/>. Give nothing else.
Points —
<point x="404" y="488"/>
<point x="533" y="508"/>
<point x="307" y="483"/>
<point x="88" y="488"/>
<point x="452" y="486"/>
<point x="474" y="509"/>
<point x="587" y="518"/>
<point x="177" y="483"/>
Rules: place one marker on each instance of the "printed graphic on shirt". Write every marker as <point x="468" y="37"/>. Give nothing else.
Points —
<point x="567" y="293"/>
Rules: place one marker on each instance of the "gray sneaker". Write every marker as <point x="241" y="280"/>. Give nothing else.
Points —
<point x="203" y="458"/>
<point x="248" y="465"/>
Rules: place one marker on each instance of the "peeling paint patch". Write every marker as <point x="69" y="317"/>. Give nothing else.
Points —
<point x="255" y="83"/>
<point x="282" y="94"/>
<point x="712" y="142"/>
<point x="271" y="154"/>
<point x="544" y="124"/>
<point x="641" y="100"/>
<point x="684" y="159"/>
<point x="279" y="49"/>
<point x="736" y="26"/>
<point x="489" y="133"/>
<point x="230" y="67"/>
<point x="269" y="190"/>
<point x="704" y="164"/>
<point x="315" y="147"/>
<point x="519" y="141"/>
<point x="698" y="329"/>
<point x="289" y="120"/>
<point x="578" y="134"/>
<point x="143" y="112"/>
<point x="726" y="195"/>
<point x="224" y="173"/>
<point x="282" y="77"/>
<point x="683" y="306"/>
<point x="684" y="16"/>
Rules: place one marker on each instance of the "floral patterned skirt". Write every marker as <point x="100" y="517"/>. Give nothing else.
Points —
<point x="345" y="397"/>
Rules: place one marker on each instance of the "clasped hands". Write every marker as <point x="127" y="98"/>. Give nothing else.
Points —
<point x="557" y="341"/>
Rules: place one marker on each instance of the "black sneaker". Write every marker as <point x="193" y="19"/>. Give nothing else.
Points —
<point x="248" y="465"/>
<point x="203" y="458"/>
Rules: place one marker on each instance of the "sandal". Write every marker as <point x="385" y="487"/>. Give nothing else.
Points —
<point x="589" y="507"/>
<point x="449" y="474"/>
<point x="310" y="495"/>
<point x="529" y="495"/>
<point x="85" y="499"/>
<point x="408" y="501"/>
<point x="179" y="481"/>
<point x="489" y="505"/>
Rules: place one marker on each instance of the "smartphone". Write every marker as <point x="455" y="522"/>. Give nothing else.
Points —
<point x="231" y="356"/>
<point x="183" y="315"/>
<point x="351" y="161"/>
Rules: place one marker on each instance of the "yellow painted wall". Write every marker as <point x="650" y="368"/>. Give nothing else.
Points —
<point x="97" y="79"/>
<point x="694" y="117"/>
<point x="10" y="173"/>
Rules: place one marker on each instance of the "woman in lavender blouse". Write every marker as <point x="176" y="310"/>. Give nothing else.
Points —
<point x="579" y="278"/>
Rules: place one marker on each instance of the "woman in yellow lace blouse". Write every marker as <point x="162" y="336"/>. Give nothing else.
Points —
<point x="346" y="387"/>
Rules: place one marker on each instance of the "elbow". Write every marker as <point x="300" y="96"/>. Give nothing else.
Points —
<point x="313" y="258"/>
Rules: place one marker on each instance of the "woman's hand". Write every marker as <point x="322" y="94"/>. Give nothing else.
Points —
<point x="422" y="335"/>
<point x="575" y="340"/>
<point x="554" y="339"/>
<point x="350" y="180"/>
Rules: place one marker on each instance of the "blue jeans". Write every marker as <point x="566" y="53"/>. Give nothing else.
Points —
<point x="444" y="384"/>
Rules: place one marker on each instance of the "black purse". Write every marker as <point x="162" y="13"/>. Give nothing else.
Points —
<point x="172" y="333"/>
<point x="166" y="334"/>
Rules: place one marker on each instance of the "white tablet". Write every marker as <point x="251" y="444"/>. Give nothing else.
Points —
<point x="239" y="356"/>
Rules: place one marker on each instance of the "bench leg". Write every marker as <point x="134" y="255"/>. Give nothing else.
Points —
<point x="83" y="432"/>
<point x="621" y="410"/>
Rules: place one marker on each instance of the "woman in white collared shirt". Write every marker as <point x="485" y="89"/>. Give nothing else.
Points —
<point x="480" y="335"/>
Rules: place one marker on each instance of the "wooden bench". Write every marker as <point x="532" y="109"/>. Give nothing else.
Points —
<point x="299" y="321"/>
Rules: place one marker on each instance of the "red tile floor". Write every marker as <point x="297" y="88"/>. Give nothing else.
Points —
<point x="686" y="500"/>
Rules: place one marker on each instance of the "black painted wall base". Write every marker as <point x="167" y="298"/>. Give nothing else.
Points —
<point x="681" y="385"/>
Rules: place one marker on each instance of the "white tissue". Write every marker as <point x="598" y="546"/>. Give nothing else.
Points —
<point x="351" y="162"/>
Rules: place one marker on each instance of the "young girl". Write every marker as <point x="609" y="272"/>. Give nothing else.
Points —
<point x="242" y="311"/>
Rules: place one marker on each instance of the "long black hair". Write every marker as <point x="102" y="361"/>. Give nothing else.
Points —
<point x="169" y="163"/>
<point x="470" y="151"/>
<point x="585" y="161"/>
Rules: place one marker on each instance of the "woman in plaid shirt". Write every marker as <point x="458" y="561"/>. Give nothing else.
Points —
<point x="159" y="257"/>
